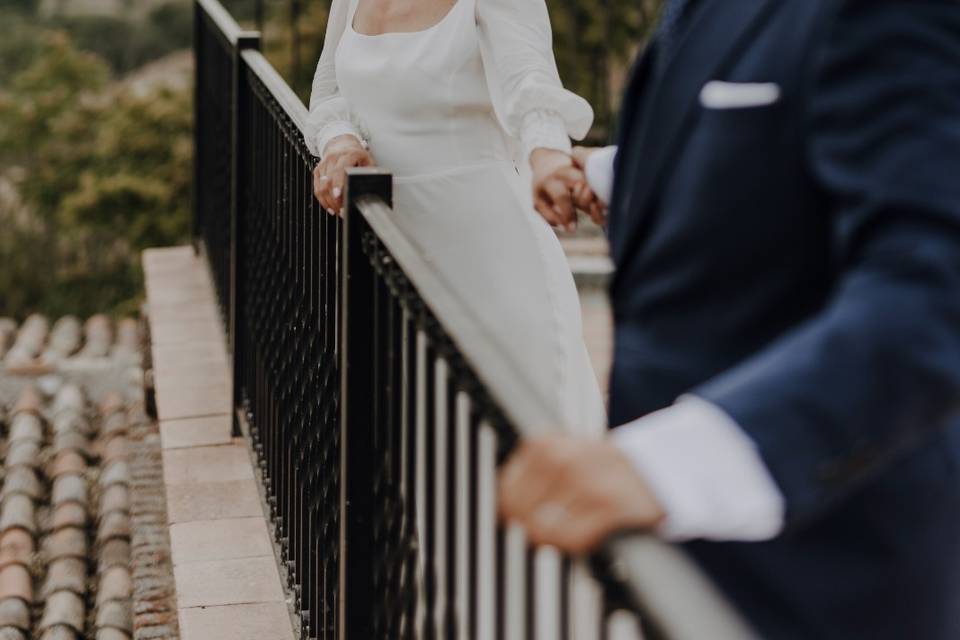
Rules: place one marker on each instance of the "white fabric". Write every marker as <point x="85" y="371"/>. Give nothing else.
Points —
<point x="599" y="172"/>
<point x="705" y="472"/>
<point x="329" y="112"/>
<point x="425" y="103"/>
<point x="516" y="43"/>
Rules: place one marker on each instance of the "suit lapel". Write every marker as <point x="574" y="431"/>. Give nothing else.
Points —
<point x="708" y="45"/>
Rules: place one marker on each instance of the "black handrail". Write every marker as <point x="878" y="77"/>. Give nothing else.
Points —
<point x="379" y="408"/>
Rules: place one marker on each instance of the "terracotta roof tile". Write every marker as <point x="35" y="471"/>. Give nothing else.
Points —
<point x="116" y="472"/>
<point x="68" y="397"/>
<point x="70" y="420"/>
<point x="65" y="467"/>
<point x="67" y="462"/>
<point x="14" y="612"/>
<point x="59" y="633"/>
<point x="17" y="511"/>
<point x="16" y="547"/>
<point x="114" y="553"/>
<point x="69" y="514"/>
<point x="99" y="337"/>
<point x="117" y="448"/>
<point x="23" y="452"/>
<point x="66" y="543"/>
<point x="114" y="424"/>
<point x="71" y="441"/>
<point x="65" y="338"/>
<point x="29" y="400"/>
<point x="115" y="584"/>
<point x="115" y="524"/>
<point x="69" y="488"/>
<point x="110" y="404"/>
<point x="21" y="480"/>
<point x="26" y="427"/>
<point x="63" y="608"/>
<point x="116" y="497"/>
<point x="16" y="582"/>
<point x="66" y="574"/>
<point x="115" y="614"/>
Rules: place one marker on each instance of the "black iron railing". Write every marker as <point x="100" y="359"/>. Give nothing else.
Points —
<point x="378" y="407"/>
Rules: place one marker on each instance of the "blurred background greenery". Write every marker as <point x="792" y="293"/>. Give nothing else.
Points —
<point x="96" y="116"/>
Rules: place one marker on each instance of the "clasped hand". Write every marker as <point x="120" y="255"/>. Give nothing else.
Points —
<point x="330" y="175"/>
<point x="560" y="188"/>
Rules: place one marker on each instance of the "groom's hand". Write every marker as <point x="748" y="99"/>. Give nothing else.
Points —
<point x="554" y="178"/>
<point x="574" y="493"/>
<point x="585" y="198"/>
<point x="330" y="176"/>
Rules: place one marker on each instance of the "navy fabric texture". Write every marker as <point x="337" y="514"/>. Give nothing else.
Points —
<point x="798" y="264"/>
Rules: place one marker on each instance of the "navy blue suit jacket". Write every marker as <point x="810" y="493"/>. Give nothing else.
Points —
<point x="798" y="264"/>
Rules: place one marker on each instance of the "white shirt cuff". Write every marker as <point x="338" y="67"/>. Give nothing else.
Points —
<point x="599" y="172"/>
<point x="544" y="130"/>
<point x="706" y="473"/>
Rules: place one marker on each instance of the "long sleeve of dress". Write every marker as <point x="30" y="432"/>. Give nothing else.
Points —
<point x="329" y="111"/>
<point x="517" y="47"/>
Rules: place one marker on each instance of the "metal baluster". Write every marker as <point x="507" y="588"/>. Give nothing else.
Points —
<point x="547" y="593"/>
<point x="515" y="596"/>
<point x="441" y="515"/>
<point x="486" y="532"/>
<point x="420" y="488"/>
<point x="462" y="515"/>
<point x="623" y="625"/>
<point x="585" y="613"/>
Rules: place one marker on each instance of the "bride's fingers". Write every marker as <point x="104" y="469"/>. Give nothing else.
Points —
<point x="562" y="203"/>
<point x="323" y="192"/>
<point x="545" y="209"/>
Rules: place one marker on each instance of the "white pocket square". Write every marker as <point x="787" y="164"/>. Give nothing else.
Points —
<point x="738" y="95"/>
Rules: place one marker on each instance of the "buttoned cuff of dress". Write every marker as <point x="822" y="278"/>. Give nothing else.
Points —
<point x="335" y="130"/>
<point x="542" y="129"/>
<point x="599" y="172"/>
<point x="706" y="473"/>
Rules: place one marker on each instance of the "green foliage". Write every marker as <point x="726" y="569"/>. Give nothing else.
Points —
<point x="127" y="43"/>
<point x="593" y="42"/>
<point x="102" y="172"/>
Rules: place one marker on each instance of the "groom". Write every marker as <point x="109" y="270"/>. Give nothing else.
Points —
<point x="785" y="223"/>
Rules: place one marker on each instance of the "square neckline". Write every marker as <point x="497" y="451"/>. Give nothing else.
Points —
<point x="435" y="25"/>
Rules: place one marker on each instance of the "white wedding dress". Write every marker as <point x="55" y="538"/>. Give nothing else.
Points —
<point x="450" y="110"/>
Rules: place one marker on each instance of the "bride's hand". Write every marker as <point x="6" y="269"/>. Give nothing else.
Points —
<point x="330" y="175"/>
<point x="554" y="178"/>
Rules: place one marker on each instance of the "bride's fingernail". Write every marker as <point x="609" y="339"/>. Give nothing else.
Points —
<point x="329" y="210"/>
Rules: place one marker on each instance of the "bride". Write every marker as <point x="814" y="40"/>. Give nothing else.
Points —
<point x="462" y="102"/>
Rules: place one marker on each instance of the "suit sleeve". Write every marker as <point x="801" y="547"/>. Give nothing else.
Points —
<point x="877" y="372"/>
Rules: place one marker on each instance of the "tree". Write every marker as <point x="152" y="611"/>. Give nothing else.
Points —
<point x="102" y="173"/>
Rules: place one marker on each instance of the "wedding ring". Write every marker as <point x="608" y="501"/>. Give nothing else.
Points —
<point x="550" y="515"/>
<point x="324" y="178"/>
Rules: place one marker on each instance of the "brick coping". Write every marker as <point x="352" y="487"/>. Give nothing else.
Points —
<point x="224" y="560"/>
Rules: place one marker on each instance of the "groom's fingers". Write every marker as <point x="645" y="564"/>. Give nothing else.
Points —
<point x="598" y="213"/>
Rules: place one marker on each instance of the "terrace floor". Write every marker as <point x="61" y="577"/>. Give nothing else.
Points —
<point x="228" y="581"/>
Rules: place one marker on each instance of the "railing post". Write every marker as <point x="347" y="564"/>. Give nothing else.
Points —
<point x="356" y="409"/>
<point x="197" y="142"/>
<point x="239" y="154"/>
